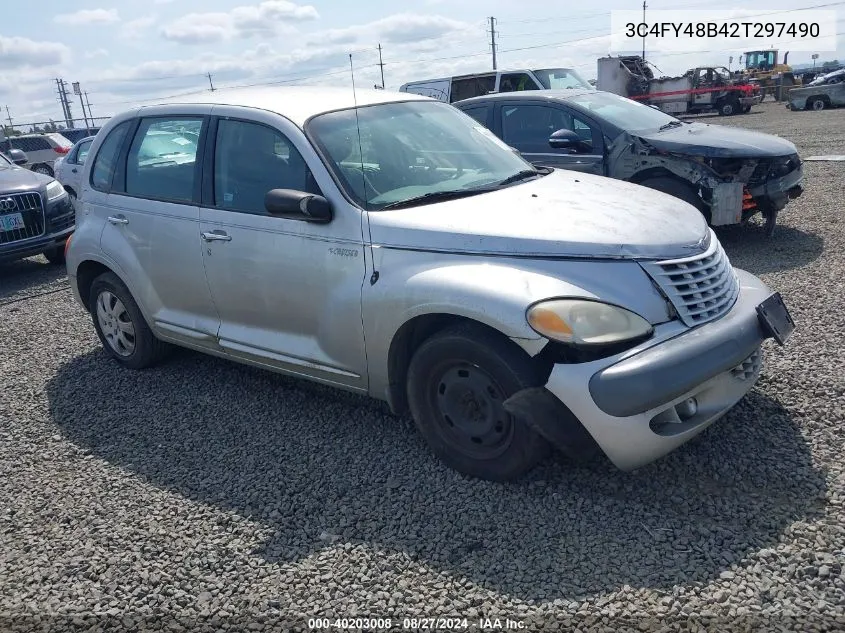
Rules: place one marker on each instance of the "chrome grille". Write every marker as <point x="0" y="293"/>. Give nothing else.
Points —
<point x="749" y="369"/>
<point x="701" y="288"/>
<point x="30" y="207"/>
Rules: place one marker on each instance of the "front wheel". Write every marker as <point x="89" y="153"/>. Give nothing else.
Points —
<point x="56" y="256"/>
<point x="729" y="108"/>
<point x="817" y="103"/>
<point x="678" y="189"/>
<point x="120" y="325"/>
<point x="458" y="381"/>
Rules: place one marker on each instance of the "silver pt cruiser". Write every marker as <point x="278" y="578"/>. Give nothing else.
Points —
<point x="390" y="245"/>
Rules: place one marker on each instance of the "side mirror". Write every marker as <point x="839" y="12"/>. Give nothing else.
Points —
<point x="17" y="156"/>
<point x="298" y="205"/>
<point x="564" y="139"/>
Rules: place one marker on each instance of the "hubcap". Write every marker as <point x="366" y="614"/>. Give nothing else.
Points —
<point x="115" y="323"/>
<point x="471" y="415"/>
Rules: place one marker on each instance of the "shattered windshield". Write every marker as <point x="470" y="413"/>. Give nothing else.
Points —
<point x="623" y="113"/>
<point x="410" y="151"/>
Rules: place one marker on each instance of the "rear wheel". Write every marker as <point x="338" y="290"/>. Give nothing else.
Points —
<point x="120" y="325"/>
<point x="43" y="169"/>
<point x="458" y="381"/>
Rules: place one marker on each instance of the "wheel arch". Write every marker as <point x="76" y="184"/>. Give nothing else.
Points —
<point x="413" y="333"/>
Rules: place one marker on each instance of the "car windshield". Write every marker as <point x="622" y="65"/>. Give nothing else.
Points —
<point x="408" y="150"/>
<point x="560" y="78"/>
<point x="623" y="113"/>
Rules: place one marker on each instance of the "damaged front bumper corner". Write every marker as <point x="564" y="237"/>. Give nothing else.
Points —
<point x="642" y="404"/>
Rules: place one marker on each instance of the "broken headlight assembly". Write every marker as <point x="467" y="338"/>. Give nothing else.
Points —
<point x="587" y="323"/>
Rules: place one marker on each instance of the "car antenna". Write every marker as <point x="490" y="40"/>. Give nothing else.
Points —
<point x="358" y="130"/>
<point x="374" y="277"/>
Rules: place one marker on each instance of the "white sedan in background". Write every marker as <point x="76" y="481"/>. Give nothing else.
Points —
<point x="68" y="169"/>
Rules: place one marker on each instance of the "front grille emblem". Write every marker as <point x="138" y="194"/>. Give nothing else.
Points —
<point x="8" y="204"/>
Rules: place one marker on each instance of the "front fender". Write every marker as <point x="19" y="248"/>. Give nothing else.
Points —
<point x="494" y="291"/>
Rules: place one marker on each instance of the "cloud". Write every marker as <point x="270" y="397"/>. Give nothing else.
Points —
<point x="88" y="16"/>
<point x="402" y="28"/>
<point x="135" y="28"/>
<point x="20" y="52"/>
<point x="264" y="18"/>
<point x="99" y="52"/>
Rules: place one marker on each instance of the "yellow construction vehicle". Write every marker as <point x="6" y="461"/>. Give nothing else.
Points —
<point x="774" y="78"/>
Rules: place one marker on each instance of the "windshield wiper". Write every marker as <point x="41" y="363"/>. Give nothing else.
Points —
<point x="434" y="196"/>
<point x="520" y="175"/>
<point x="671" y="124"/>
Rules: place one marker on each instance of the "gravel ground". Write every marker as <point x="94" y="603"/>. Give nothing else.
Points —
<point x="207" y="494"/>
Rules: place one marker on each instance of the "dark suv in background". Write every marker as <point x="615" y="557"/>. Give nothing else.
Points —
<point x="36" y="215"/>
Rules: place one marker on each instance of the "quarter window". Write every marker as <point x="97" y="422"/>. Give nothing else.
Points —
<point x="479" y="113"/>
<point x="251" y="159"/>
<point x="82" y="152"/>
<point x="106" y="160"/>
<point x="162" y="160"/>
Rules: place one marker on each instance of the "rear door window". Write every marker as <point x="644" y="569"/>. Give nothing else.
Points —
<point x="162" y="161"/>
<point x="467" y="87"/>
<point x="106" y="161"/>
<point x="513" y="82"/>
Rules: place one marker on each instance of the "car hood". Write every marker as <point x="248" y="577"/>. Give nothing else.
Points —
<point x="15" y="180"/>
<point x="718" y="141"/>
<point x="564" y="214"/>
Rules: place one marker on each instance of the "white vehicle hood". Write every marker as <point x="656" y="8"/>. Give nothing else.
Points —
<point x="564" y="214"/>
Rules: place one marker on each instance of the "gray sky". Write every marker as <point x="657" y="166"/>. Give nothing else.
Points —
<point x="126" y="51"/>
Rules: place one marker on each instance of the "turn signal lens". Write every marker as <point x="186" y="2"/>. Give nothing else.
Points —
<point x="584" y="322"/>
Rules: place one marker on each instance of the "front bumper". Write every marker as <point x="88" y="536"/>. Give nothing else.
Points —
<point x="634" y="404"/>
<point x="776" y="193"/>
<point x="35" y="246"/>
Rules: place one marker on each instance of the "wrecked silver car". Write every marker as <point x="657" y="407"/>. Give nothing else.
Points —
<point x="827" y="91"/>
<point x="729" y="174"/>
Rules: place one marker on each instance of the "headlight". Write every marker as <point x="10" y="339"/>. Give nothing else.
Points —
<point x="584" y="322"/>
<point x="55" y="190"/>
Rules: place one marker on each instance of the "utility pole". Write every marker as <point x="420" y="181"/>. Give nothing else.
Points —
<point x="644" y="5"/>
<point x="209" y="82"/>
<point x="9" y="116"/>
<point x="381" y="65"/>
<point x="78" y="91"/>
<point x="63" y="99"/>
<point x="89" y="107"/>
<point x="493" y="39"/>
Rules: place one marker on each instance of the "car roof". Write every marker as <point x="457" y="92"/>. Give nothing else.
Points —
<point x="552" y="95"/>
<point x="296" y="103"/>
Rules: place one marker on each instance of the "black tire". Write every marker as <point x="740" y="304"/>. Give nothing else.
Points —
<point x="729" y="107"/>
<point x="43" y="169"/>
<point x="56" y="256"/>
<point x="816" y="103"/>
<point x="147" y="349"/>
<point x="465" y="424"/>
<point x="678" y="189"/>
<point x="746" y="109"/>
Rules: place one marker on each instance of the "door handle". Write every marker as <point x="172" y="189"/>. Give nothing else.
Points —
<point x="74" y="170"/>
<point x="118" y="219"/>
<point x="216" y="236"/>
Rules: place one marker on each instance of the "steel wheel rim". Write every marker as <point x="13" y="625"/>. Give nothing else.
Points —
<point x="115" y="323"/>
<point x="469" y="412"/>
<point x="818" y="105"/>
